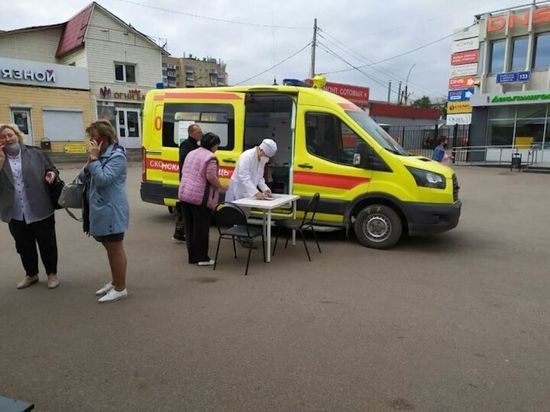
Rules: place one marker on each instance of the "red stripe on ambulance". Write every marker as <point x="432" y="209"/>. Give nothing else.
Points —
<point x="329" y="180"/>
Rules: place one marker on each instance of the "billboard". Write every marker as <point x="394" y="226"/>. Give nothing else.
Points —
<point x="464" y="70"/>
<point x="459" y="107"/>
<point x="464" y="118"/>
<point x="471" y="56"/>
<point x="462" y="82"/>
<point x="356" y="94"/>
<point x="465" y="44"/>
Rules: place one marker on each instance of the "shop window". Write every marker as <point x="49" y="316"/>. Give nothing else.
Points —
<point x="215" y="118"/>
<point x="503" y="112"/>
<point x="531" y="111"/>
<point x="125" y="72"/>
<point x="542" y="51"/>
<point x="519" y="53"/>
<point x="530" y="131"/>
<point x="496" y="56"/>
<point x="329" y="138"/>
<point x="501" y="132"/>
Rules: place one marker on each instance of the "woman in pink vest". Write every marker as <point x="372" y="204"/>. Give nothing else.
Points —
<point x="199" y="191"/>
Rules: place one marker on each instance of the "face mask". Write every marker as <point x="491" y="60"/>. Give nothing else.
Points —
<point x="13" y="149"/>
<point x="264" y="159"/>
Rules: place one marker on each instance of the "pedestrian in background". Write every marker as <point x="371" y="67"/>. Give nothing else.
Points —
<point x="199" y="193"/>
<point x="106" y="211"/>
<point x="26" y="206"/>
<point x="439" y="150"/>
<point x="194" y="133"/>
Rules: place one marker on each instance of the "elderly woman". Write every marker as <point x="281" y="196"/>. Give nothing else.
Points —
<point x="25" y="204"/>
<point x="106" y="210"/>
<point x="199" y="192"/>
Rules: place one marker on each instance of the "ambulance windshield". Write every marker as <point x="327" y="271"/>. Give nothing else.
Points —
<point x="376" y="132"/>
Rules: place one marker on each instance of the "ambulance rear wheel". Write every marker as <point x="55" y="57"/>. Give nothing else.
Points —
<point x="378" y="227"/>
<point x="171" y="210"/>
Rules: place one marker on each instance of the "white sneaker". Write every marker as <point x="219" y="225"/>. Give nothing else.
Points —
<point x="104" y="289"/>
<point x="207" y="263"/>
<point x="113" y="295"/>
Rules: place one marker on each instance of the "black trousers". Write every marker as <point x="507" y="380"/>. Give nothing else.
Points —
<point x="26" y="237"/>
<point x="197" y="230"/>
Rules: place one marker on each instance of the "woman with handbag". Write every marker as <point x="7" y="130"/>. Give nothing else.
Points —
<point x="199" y="192"/>
<point x="105" y="211"/>
<point x="25" y="204"/>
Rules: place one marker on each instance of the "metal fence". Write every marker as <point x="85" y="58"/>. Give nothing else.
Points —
<point x="421" y="140"/>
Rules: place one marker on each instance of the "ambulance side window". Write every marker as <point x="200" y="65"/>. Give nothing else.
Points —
<point x="215" y="118"/>
<point x="331" y="139"/>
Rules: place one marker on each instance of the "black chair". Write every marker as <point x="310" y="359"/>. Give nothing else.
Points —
<point x="306" y="223"/>
<point x="232" y="223"/>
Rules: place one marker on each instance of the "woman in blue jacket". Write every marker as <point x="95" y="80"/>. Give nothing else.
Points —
<point x="106" y="210"/>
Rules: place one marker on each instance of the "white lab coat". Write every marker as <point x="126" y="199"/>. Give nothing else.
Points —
<point x="247" y="177"/>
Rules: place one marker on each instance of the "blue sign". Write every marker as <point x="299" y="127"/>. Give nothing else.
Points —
<point x="460" y="95"/>
<point x="513" y="77"/>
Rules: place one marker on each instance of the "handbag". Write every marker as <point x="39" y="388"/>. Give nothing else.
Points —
<point x="72" y="195"/>
<point x="54" y="191"/>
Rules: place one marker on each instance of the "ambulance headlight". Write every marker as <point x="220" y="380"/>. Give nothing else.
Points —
<point x="426" y="178"/>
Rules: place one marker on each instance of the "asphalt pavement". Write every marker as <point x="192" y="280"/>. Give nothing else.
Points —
<point x="454" y="322"/>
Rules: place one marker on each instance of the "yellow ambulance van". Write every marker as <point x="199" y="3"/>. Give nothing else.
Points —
<point x="326" y="145"/>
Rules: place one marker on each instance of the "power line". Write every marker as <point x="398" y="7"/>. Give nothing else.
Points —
<point x="198" y="16"/>
<point x="275" y="65"/>
<point x="326" y="49"/>
<point x="382" y="70"/>
<point x="396" y="56"/>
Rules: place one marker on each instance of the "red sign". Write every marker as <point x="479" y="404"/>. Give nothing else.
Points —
<point x="465" y="57"/>
<point x="461" y="82"/>
<point x="498" y="23"/>
<point x="355" y="94"/>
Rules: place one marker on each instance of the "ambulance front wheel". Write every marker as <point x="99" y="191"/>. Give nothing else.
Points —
<point x="378" y="226"/>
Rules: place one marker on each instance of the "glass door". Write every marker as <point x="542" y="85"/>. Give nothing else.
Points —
<point x="22" y="118"/>
<point x="129" y="128"/>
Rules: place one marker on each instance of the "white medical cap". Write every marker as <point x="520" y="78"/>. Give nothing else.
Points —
<point x="269" y="147"/>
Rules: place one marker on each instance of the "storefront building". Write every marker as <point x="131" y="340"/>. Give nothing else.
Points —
<point x="121" y="65"/>
<point x="49" y="102"/>
<point x="511" y="103"/>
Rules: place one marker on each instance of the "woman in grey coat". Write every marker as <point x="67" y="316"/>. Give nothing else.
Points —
<point x="106" y="212"/>
<point x="25" y="204"/>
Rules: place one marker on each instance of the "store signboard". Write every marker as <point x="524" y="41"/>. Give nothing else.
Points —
<point x="465" y="45"/>
<point x="460" y="95"/>
<point x="462" y="82"/>
<point x="510" y="98"/>
<point x="33" y="73"/>
<point x="459" y="107"/>
<point x="513" y="77"/>
<point x="466" y="32"/>
<point x="471" y="56"/>
<point x="464" y="118"/>
<point x="464" y="70"/>
<point x="519" y="18"/>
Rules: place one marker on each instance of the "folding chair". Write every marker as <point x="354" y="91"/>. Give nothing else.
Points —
<point x="232" y="223"/>
<point x="306" y="223"/>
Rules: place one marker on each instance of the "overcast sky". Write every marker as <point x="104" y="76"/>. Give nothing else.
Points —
<point x="359" y="32"/>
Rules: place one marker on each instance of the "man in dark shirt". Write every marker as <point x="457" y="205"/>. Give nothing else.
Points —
<point x="195" y="133"/>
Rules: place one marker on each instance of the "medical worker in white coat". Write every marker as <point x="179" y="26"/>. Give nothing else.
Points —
<point x="248" y="178"/>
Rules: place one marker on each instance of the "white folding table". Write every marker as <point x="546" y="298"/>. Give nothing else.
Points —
<point x="267" y="206"/>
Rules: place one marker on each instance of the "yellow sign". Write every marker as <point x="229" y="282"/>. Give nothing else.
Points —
<point x="459" y="107"/>
<point x="523" y="142"/>
<point x="75" y="148"/>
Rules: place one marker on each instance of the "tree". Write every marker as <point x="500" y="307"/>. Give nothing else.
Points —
<point x="423" y="102"/>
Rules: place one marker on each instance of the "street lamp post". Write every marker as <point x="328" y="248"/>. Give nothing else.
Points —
<point x="406" y="96"/>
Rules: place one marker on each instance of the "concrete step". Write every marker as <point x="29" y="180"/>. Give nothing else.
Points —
<point x="133" y="155"/>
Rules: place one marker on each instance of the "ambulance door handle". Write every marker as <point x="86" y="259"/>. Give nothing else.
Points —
<point x="229" y="161"/>
<point x="305" y="166"/>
